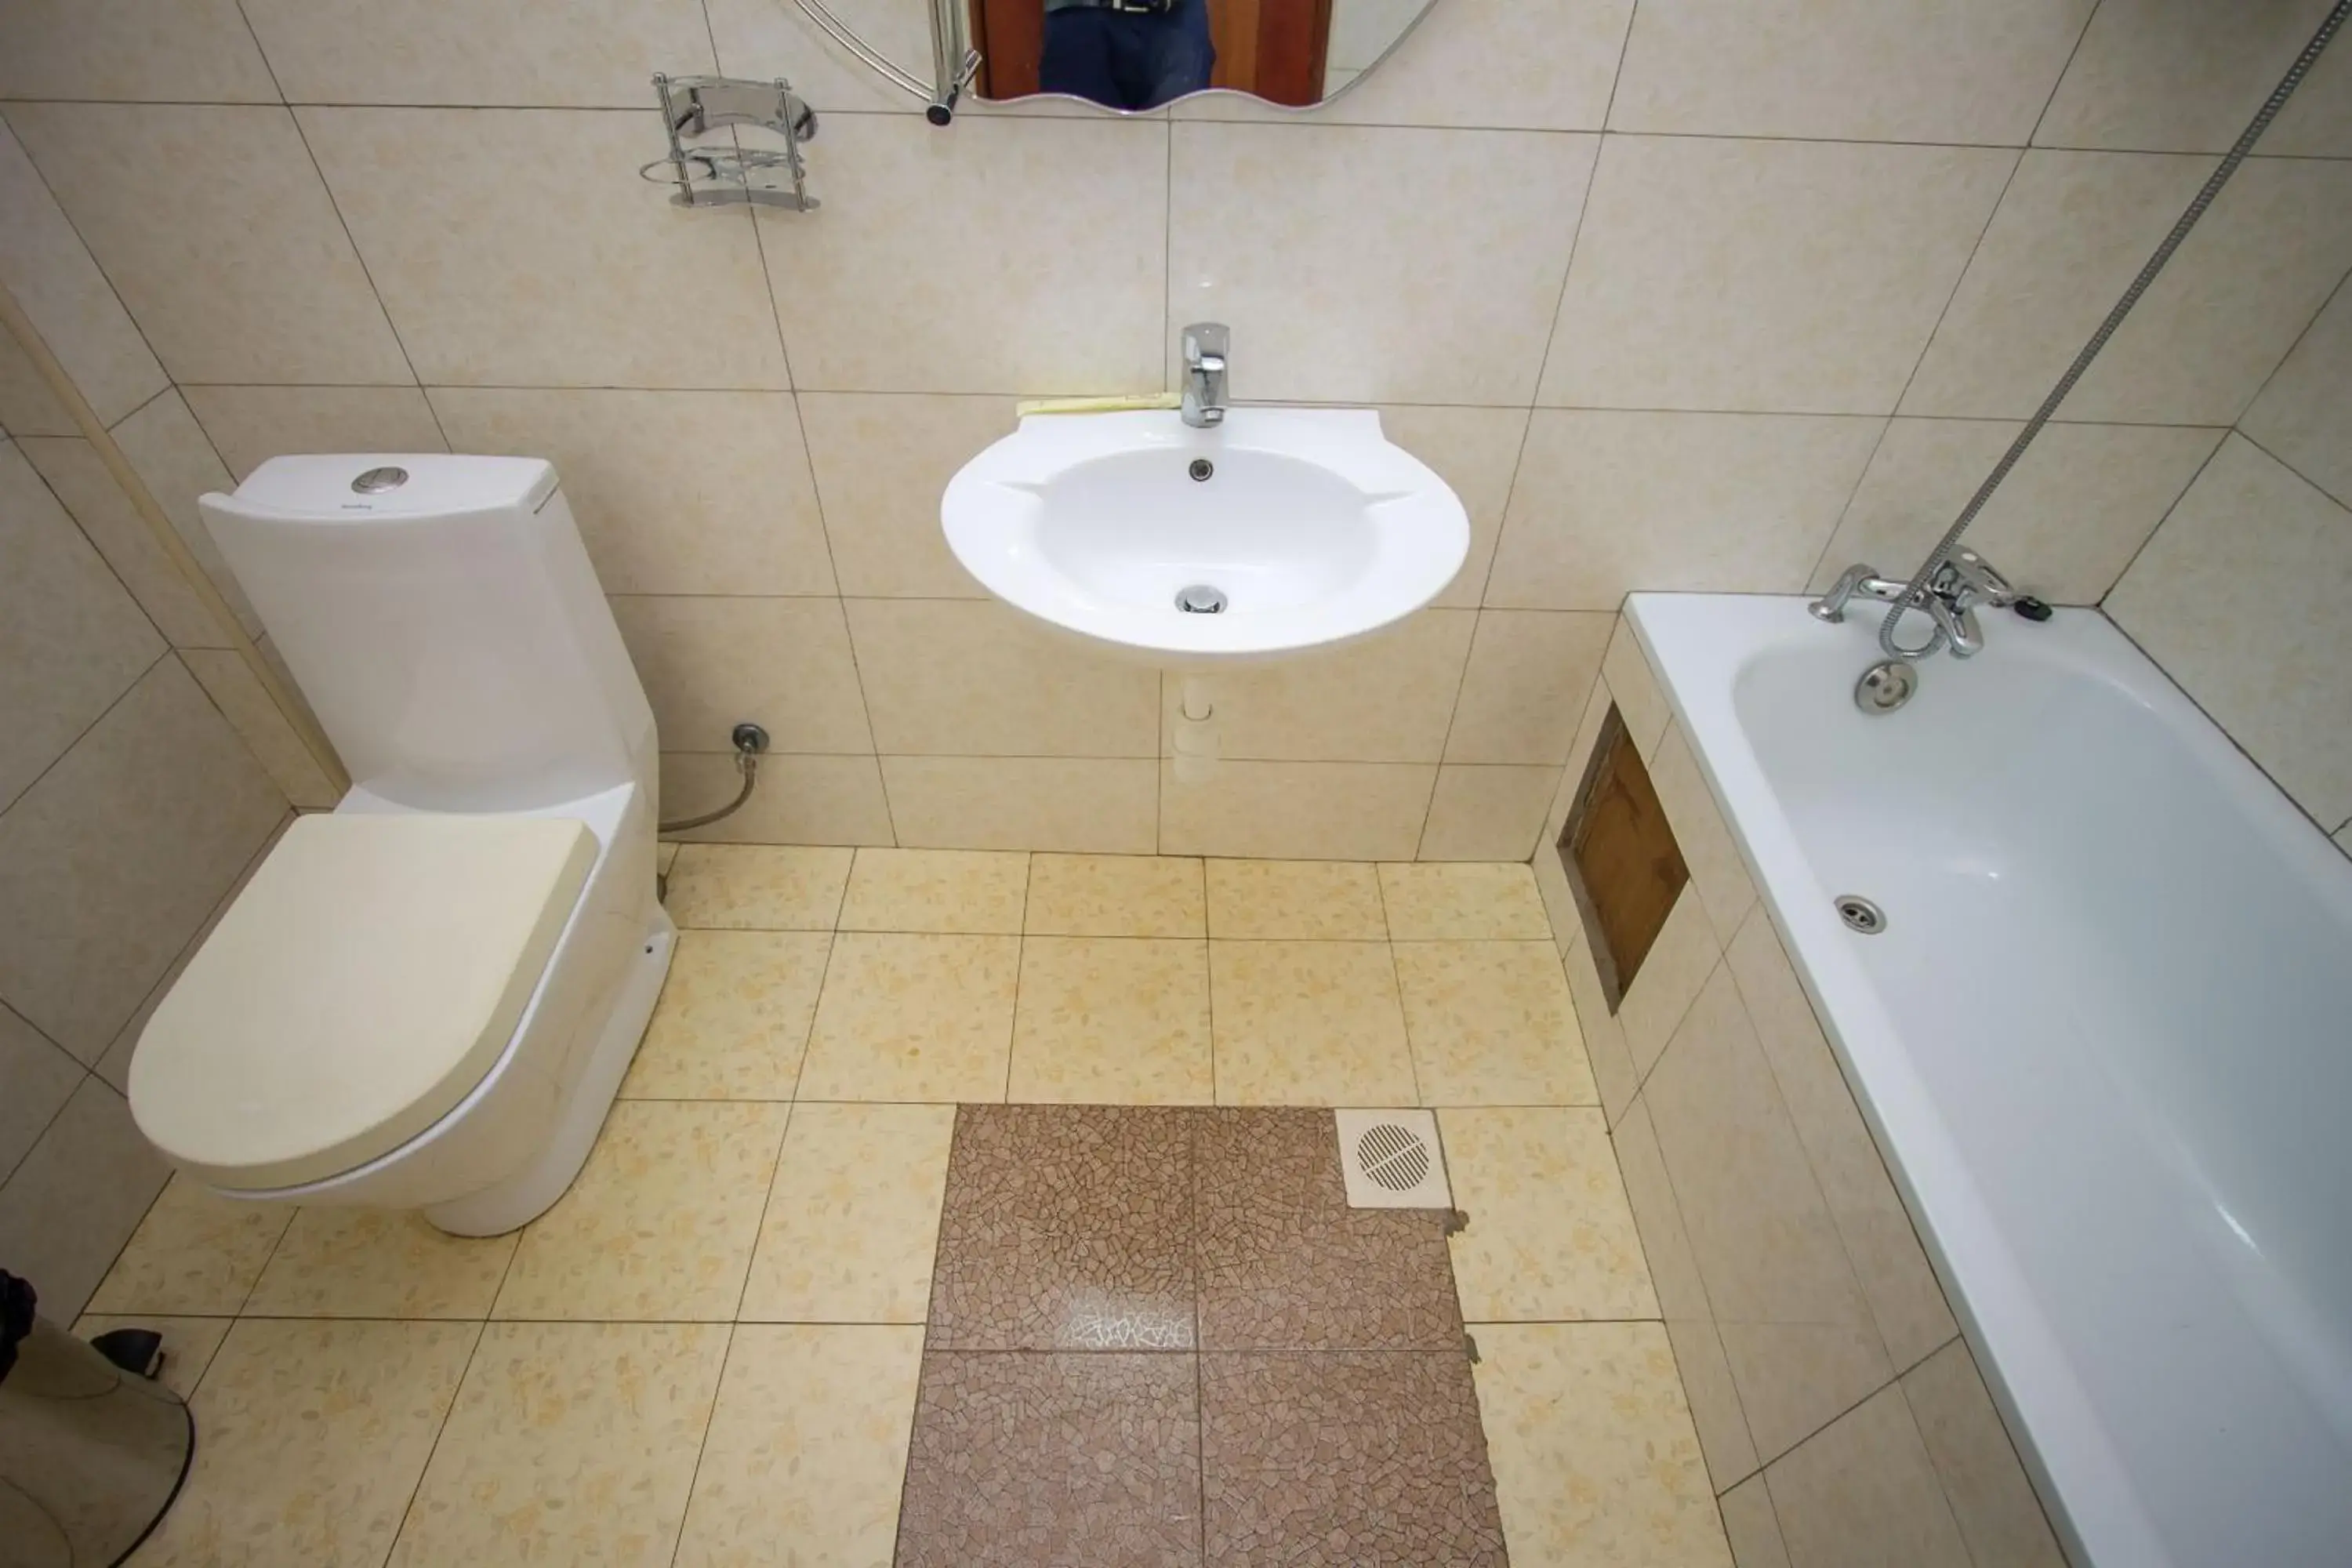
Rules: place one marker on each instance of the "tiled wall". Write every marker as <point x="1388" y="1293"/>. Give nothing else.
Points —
<point x="1692" y="293"/>
<point x="1843" y="1417"/>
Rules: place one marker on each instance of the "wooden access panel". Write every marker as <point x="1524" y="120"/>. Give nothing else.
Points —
<point x="1622" y="858"/>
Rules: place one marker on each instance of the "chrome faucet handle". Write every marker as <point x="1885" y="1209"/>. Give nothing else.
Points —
<point x="1967" y="578"/>
<point x="1859" y="578"/>
<point x="1205" y="345"/>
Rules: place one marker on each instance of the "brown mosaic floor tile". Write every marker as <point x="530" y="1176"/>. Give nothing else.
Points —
<point x="1079" y="1460"/>
<point x="1065" y="1228"/>
<point x="1286" y="1265"/>
<point x="1353" y="1459"/>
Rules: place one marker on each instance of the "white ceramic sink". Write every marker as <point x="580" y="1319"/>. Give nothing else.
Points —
<point x="1311" y="527"/>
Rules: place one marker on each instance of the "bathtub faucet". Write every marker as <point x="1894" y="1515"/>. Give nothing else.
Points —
<point x="1955" y="589"/>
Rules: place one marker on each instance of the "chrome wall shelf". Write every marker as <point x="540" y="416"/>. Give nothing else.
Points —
<point x="728" y="173"/>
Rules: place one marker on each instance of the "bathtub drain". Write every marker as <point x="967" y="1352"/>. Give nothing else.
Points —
<point x="1860" y="914"/>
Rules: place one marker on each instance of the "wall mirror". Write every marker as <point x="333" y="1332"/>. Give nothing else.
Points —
<point x="1126" y="54"/>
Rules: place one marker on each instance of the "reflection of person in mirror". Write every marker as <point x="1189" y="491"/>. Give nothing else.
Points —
<point x="1127" y="54"/>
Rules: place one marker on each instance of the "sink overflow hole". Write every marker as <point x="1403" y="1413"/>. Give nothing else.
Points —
<point x="1860" y="914"/>
<point x="1200" y="469"/>
<point x="1199" y="599"/>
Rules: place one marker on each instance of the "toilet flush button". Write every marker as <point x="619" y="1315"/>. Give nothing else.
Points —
<point x="379" y="479"/>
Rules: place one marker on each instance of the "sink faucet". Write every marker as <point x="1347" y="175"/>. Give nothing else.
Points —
<point x="1957" y="585"/>
<point x="1205" y="344"/>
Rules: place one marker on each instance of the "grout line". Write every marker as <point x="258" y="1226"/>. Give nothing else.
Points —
<point x="2306" y="331"/>
<point x="12" y="802"/>
<point x="481" y="1331"/>
<point x="709" y="1420"/>
<point x="149" y="402"/>
<point x="2060" y="79"/>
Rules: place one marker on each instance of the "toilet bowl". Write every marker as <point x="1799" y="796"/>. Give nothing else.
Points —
<point x="428" y="998"/>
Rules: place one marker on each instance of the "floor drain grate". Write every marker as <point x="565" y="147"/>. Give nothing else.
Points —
<point x="1390" y="1159"/>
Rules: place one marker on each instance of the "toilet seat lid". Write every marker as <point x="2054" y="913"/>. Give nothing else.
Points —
<point x="363" y="982"/>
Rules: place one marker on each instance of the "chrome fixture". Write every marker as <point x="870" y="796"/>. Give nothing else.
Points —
<point x="1201" y="599"/>
<point x="1885" y="686"/>
<point x="954" y="62"/>
<point x="730" y="175"/>
<point x="1205" y="345"/>
<point x="751" y="743"/>
<point x="1951" y="579"/>
<point x="1860" y="914"/>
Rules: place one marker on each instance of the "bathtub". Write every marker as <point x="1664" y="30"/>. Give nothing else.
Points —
<point x="2105" y="1042"/>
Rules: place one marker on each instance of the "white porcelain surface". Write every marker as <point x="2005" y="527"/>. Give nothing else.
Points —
<point x="1315" y="528"/>
<point x="2130" y="1167"/>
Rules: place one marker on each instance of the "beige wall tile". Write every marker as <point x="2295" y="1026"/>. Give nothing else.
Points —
<point x="583" y="294"/>
<point x="2063" y="526"/>
<point x="1702" y="281"/>
<point x="105" y="513"/>
<point x="367" y="1263"/>
<point x="2071" y="233"/>
<point x="71" y="640"/>
<point x="168" y="451"/>
<point x="1905" y="1300"/>
<point x="77" y="1197"/>
<point x="1491" y="1024"/>
<point x="1855" y="70"/>
<point x="69" y="302"/>
<point x="1112" y="1021"/>
<point x="937" y="890"/>
<point x="675" y="492"/>
<point x="115" y="49"/>
<point x="250" y="424"/>
<point x="2304" y="418"/>
<point x="553" y="1416"/>
<point x="808" y="1445"/>
<point x="28" y="406"/>
<point x="882" y="460"/>
<point x="709" y="663"/>
<point x="734" y="1017"/>
<point x="111" y="861"/>
<point x="1991" y="1498"/>
<point x="1382" y="698"/>
<point x="1395" y="228"/>
<point x="1717" y="867"/>
<point x="314" y="1437"/>
<point x="1463" y="903"/>
<point x="1595" y="1461"/>
<point x="230" y="682"/>
<point x="1524" y="691"/>
<point x="1331" y="811"/>
<point x="980" y="679"/>
<point x="659" y="1224"/>
<point x="1057" y="231"/>
<point x="280" y="296"/>
<point x="800" y="800"/>
<point x="1604" y="1033"/>
<point x="1308" y="1023"/>
<point x="1551" y="1238"/>
<point x="852" y="1216"/>
<point x="2239" y="597"/>
<point x="905" y="1018"/>
<point x="1116" y="895"/>
<point x="1096" y="805"/>
<point x="1477" y="452"/>
<point x="1608" y="502"/>
<point x="413" y="51"/>
<point x="756" y="36"/>
<point x="1865" y="1492"/>
<point x="1678" y="964"/>
<point x="1483" y="812"/>
<point x="2163" y="76"/>
<point x="40" y="1078"/>
<point x="1490" y="63"/>
<point x="195" y="1251"/>
<point x="758" y="887"/>
<point x="1754" y="1529"/>
<point x="1634" y="685"/>
<point x="1319" y="900"/>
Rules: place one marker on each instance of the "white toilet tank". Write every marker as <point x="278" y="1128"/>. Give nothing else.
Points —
<point x="443" y="619"/>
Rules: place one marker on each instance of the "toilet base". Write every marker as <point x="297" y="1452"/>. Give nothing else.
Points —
<point x="531" y="1192"/>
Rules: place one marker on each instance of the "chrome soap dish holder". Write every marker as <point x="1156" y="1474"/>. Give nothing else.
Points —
<point x="732" y="174"/>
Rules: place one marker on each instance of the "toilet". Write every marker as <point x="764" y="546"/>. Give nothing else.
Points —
<point x="426" y="998"/>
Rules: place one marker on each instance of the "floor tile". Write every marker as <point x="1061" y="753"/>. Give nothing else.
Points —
<point x="1112" y="1021"/>
<point x="758" y="887"/>
<point x="1116" y="895"/>
<point x="1365" y="1459"/>
<point x="189" y="1344"/>
<point x="1492" y="1023"/>
<point x="571" y="1443"/>
<point x="312" y="1437"/>
<point x="661" y="1222"/>
<point x="733" y="1019"/>
<point x="1306" y="900"/>
<point x="371" y="1263"/>
<point x="1308" y="1023"/>
<point x="1285" y="1264"/>
<point x="853" y="1218"/>
<point x="914" y="1018"/>
<point x="1595" y="1462"/>
<point x="1066" y="1227"/>
<point x="1079" y="1460"/>
<point x="807" y="1448"/>
<point x="1462" y="902"/>
<point x="968" y="890"/>
<point x="197" y="1252"/>
<point x="1551" y="1236"/>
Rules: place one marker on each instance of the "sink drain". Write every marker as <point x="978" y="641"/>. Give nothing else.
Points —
<point x="1860" y="914"/>
<point x="1199" y="599"/>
